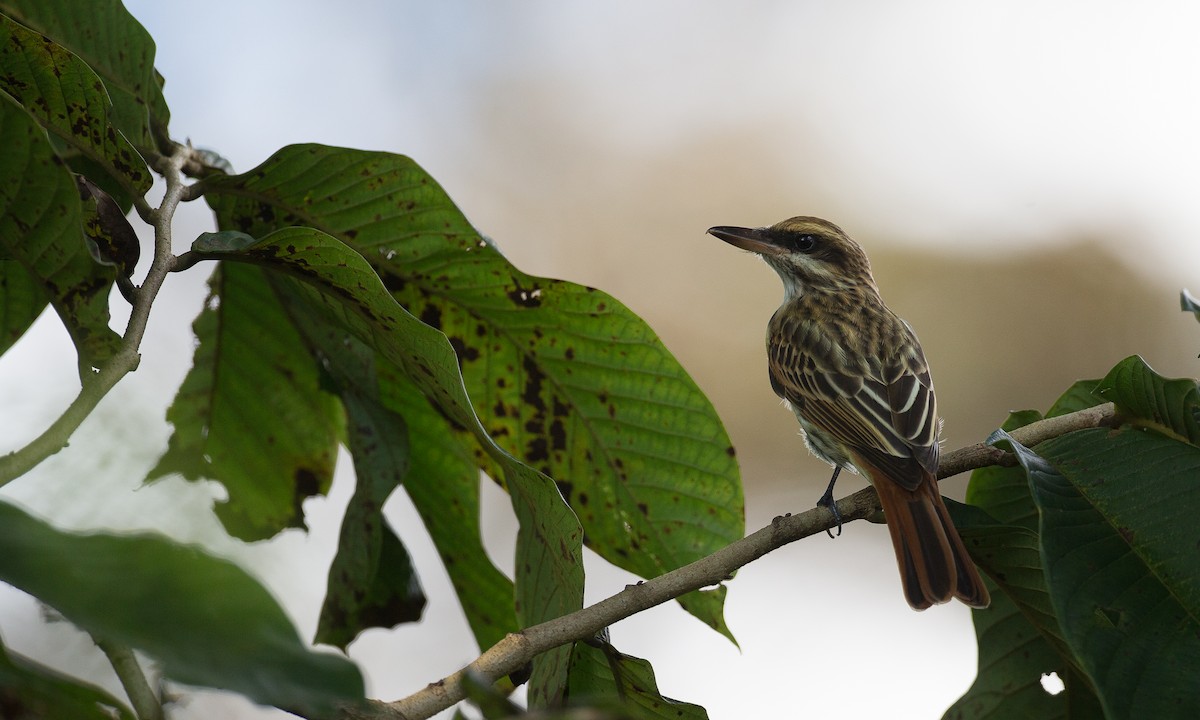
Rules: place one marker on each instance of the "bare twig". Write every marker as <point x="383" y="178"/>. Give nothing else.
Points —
<point x="125" y="360"/>
<point x="146" y="703"/>
<point x="517" y="649"/>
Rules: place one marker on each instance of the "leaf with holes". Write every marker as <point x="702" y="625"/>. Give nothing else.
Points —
<point x="251" y="413"/>
<point x="563" y="376"/>
<point x="344" y="290"/>
<point x="1118" y="539"/>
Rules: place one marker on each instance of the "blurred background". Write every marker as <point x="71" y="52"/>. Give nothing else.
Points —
<point x="1022" y="175"/>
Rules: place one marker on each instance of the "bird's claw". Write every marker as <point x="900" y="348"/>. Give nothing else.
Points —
<point x="827" y="501"/>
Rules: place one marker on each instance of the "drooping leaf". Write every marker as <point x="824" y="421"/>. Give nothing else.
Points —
<point x="563" y="376"/>
<point x="251" y="413"/>
<point x="605" y="677"/>
<point x="115" y="45"/>
<point x="40" y="230"/>
<point x="1118" y="539"/>
<point x="443" y="484"/>
<point x="204" y="620"/>
<point x="350" y="295"/>
<point x="31" y="690"/>
<point x="69" y="100"/>
<point x="1145" y="398"/>
<point x="372" y="581"/>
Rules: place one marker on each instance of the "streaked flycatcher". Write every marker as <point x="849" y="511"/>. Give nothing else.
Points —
<point x="855" y="376"/>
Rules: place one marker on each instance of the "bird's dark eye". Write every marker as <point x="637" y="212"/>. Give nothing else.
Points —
<point x="805" y="243"/>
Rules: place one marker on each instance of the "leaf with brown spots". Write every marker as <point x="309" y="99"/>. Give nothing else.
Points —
<point x="251" y="413"/>
<point x="114" y="44"/>
<point x="346" y="292"/>
<point x="603" y="677"/>
<point x="40" y="231"/>
<point x="563" y="376"/>
<point x="68" y="99"/>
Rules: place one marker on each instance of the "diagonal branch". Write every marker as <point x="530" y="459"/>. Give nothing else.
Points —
<point x="517" y="649"/>
<point x="125" y="361"/>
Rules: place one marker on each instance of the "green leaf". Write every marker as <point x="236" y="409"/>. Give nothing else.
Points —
<point x="40" y="229"/>
<point x="1118" y="538"/>
<point x="1013" y="657"/>
<point x="563" y="376"/>
<point x="68" y="99"/>
<point x="443" y="484"/>
<point x="204" y="620"/>
<point x="372" y="582"/>
<point x="251" y="413"/>
<point x="21" y="299"/>
<point x="605" y="677"/>
<point x="549" y="579"/>
<point x="115" y="45"/>
<point x="1147" y="399"/>
<point x="111" y="240"/>
<point x="31" y="690"/>
<point x="1079" y="396"/>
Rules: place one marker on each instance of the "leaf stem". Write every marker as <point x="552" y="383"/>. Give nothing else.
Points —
<point x="517" y="649"/>
<point x="146" y="703"/>
<point x="125" y="360"/>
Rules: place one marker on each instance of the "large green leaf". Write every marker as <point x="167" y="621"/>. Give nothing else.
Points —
<point x="105" y="36"/>
<point x="1118" y="538"/>
<point x="600" y="675"/>
<point x="203" y="619"/>
<point x="69" y="99"/>
<point x="350" y="295"/>
<point x="40" y="230"/>
<point x="372" y="582"/>
<point x="31" y="690"/>
<point x="251" y="412"/>
<point x="563" y="376"/>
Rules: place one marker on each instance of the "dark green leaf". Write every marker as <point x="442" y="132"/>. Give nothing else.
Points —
<point x="1013" y="657"/>
<point x="251" y="413"/>
<point x="564" y="376"/>
<point x="116" y="46"/>
<point x="1079" y="396"/>
<point x="69" y="100"/>
<point x="40" y="229"/>
<point x="549" y="553"/>
<point x="605" y="677"/>
<point x="1119" y="538"/>
<point x="372" y="582"/>
<point x="30" y="690"/>
<point x="204" y="620"/>
<point x="1145" y="398"/>
<point x="21" y="299"/>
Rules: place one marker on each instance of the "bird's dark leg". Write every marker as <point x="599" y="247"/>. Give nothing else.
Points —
<point x="827" y="501"/>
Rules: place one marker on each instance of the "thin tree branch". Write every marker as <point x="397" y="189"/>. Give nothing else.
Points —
<point x="146" y="703"/>
<point x="517" y="649"/>
<point x="125" y="360"/>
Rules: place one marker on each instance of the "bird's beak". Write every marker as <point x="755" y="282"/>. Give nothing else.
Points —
<point x="753" y="239"/>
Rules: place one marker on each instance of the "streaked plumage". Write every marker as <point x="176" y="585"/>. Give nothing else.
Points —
<point x="855" y="376"/>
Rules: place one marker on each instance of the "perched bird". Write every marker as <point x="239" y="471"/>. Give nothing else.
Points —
<point x="855" y="376"/>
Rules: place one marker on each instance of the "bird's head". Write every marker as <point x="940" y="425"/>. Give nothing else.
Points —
<point x="808" y="253"/>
